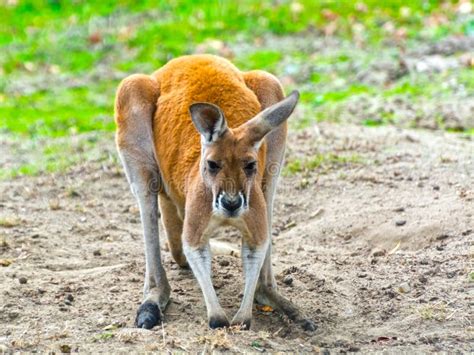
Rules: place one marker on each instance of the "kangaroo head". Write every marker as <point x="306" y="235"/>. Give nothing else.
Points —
<point x="229" y="157"/>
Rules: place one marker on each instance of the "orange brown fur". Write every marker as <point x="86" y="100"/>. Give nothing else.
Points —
<point x="170" y="91"/>
<point x="184" y="81"/>
<point x="205" y="138"/>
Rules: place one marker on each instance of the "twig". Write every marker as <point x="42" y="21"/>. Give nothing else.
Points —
<point x="393" y="251"/>
<point x="452" y="314"/>
<point x="278" y="331"/>
<point x="163" y="332"/>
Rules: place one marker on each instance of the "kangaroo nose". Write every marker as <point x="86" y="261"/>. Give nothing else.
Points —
<point x="231" y="204"/>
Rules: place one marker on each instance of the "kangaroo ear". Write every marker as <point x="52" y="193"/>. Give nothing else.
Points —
<point x="271" y="117"/>
<point x="209" y="121"/>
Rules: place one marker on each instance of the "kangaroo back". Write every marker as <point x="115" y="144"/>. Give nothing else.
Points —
<point x="184" y="81"/>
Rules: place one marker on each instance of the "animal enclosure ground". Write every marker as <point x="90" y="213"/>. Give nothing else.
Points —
<point x="372" y="234"/>
<point x="374" y="216"/>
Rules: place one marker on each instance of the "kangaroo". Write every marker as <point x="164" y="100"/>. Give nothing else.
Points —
<point x="202" y="145"/>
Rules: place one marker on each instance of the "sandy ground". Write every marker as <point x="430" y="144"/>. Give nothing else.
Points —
<point x="376" y="252"/>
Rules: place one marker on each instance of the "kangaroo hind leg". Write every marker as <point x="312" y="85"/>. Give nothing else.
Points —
<point x="135" y="106"/>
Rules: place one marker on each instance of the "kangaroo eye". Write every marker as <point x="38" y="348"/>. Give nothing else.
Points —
<point x="213" y="167"/>
<point x="250" y="167"/>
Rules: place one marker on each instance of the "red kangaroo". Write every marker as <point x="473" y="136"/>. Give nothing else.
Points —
<point x="203" y="143"/>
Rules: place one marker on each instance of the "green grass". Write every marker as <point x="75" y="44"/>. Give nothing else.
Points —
<point x="47" y="155"/>
<point x="59" y="111"/>
<point x="61" y="61"/>
<point x="47" y="38"/>
<point x="322" y="161"/>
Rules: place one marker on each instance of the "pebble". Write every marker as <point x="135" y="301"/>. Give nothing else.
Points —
<point x="378" y="252"/>
<point x="423" y="279"/>
<point x="451" y="274"/>
<point x="288" y="280"/>
<point x="22" y="280"/>
<point x="97" y="253"/>
<point x="224" y="262"/>
<point x="442" y="236"/>
<point x="400" y="223"/>
<point x="65" y="349"/>
<point x="69" y="297"/>
<point x="404" y="287"/>
<point x="436" y="187"/>
<point x="13" y="315"/>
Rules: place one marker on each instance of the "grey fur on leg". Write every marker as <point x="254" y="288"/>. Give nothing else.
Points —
<point x="199" y="259"/>
<point x="267" y="293"/>
<point x="252" y="260"/>
<point x="143" y="182"/>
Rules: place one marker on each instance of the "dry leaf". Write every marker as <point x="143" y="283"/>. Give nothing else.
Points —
<point x="6" y="262"/>
<point x="265" y="308"/>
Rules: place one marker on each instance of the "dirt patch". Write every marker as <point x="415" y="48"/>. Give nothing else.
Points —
<point x="375" y="250"/>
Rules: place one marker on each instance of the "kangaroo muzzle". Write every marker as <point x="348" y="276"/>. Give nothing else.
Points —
<point x="230" y="205"/>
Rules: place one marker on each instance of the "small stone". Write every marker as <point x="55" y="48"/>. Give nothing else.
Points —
<point x="400" y="223"/>
<point x="69" y="297"/>
<point x="65" y="349"/>
<point x="67" y="303"/>
<point x="97" y="253"/>
<point x="114" y="289"/>
<point x="378" y="252"/>
<point x="442" y="236"/>
<point x="420" y="184"/>
<point x="436" y="187"/>
<point x="224" y="263"/>
<point x="422" y="279"/>
<point x="404" y="287"/>
<point x="13" y="315"/>
<point x="54" y="204"/>
<point x="288" y="280"/>
<point x="450" y="274"/>
<point x="309" y="325"/>
<point x="22" y="280"/>
<point x="399" y="209"/>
